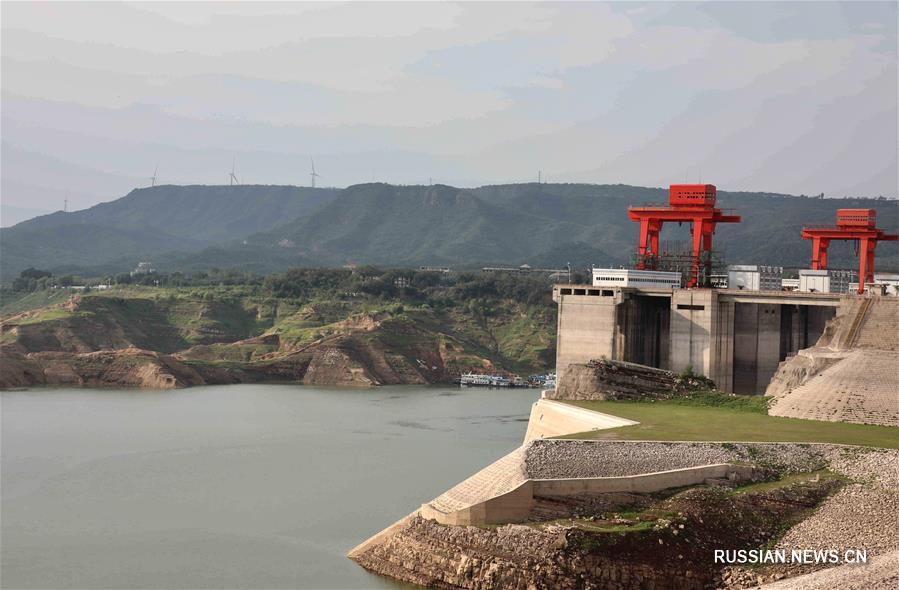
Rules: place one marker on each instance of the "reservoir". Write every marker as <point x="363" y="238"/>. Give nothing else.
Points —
<point x="240" y="486"/>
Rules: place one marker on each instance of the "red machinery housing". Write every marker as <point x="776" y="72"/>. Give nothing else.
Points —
<point x="857" y="218"/>
<point x="693" y="203"/>
<point x="690" y="195"/>
<point x="852" y="224"/>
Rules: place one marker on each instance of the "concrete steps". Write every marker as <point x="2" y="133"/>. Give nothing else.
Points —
<point x="879" y="329"/>
<point x="849" y="336"/>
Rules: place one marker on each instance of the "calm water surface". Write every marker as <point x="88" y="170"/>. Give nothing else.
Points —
<point x="242" y="486"/>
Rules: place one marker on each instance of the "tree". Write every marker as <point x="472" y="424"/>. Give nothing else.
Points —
<point x="34" y="273"/>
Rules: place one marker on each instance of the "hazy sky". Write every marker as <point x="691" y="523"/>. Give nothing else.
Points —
<point x="786" y="97"/>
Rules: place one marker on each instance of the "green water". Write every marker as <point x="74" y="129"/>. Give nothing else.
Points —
<point x="242" y="486"/>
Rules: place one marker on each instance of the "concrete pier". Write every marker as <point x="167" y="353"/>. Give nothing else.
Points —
<point x="736" y="338"/>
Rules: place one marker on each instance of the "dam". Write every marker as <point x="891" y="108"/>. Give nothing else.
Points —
<point x="734" y="337"/>
<point x="737" y="337"/>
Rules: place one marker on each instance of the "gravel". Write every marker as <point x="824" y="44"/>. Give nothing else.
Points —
<point x="548" y="459"/>
<point x="857" y="517"/>
<point x="878" y="467"/>
<point x="862" y="515"/>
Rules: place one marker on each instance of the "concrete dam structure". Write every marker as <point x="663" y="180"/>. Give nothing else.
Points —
<point x="735" y="338"/>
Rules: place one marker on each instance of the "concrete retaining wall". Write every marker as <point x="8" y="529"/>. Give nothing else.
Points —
<point x="513" y="506"/>
<point x="516" y="505"/>
<point x="550" y="418"/>
<point x="640" y="484"/>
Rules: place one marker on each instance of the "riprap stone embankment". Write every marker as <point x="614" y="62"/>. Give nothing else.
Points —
<point x="851" y="374"/>
<point x="534" y="555"/>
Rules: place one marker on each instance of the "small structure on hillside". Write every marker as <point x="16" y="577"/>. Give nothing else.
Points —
<point x="441" y="269"/>
<point x="526" y="269"/>
<point x="143" y="268"/>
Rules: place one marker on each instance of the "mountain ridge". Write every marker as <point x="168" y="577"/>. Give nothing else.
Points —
<point x="270" y="228"/>
<point x="150" y="221"/>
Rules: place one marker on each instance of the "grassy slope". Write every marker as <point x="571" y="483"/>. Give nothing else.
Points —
<point x="228" y="315"/>
<point x="738" y="421"/>
<point x="164" y="320"/>
<point x="25" y="302"/>
<point x="512" y="335"/>
<point x="522" y="336"/>
<point x="516" y="337"/>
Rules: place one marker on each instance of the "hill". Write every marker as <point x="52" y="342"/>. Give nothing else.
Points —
<point x="150" y="221"/>
<point x="317" y="326"/>
<point x="539" y="224"/>
<point x="404" y="225"/>
<point x="268" y="229"/>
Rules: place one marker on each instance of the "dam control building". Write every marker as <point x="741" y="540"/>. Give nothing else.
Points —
<point x="736" y="336"/>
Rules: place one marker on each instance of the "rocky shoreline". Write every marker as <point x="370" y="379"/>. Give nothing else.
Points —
<point x="658" y="541"/>
<point x="335" y="364"/>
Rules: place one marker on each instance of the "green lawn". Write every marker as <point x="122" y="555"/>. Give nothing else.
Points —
<point x="736" y="420"/>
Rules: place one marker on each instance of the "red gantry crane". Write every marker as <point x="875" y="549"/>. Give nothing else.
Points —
<point x="852" y="224"/>
<point x="693" y="203"/>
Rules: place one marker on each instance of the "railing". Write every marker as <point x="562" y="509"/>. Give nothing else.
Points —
<point x="839" y="228"/>
<point x="668" y="207"/>
<point x="829" y="226"/>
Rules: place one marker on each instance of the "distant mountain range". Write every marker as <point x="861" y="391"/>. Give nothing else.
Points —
<point x="11" y="215"/>
<point x="149" y="222"/>
<point x="269" y="228"/>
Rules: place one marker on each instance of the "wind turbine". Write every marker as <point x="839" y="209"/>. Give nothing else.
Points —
<point x="231" y="176"/>
<point x="153" y="178"/>
<point x="313" y="174"/>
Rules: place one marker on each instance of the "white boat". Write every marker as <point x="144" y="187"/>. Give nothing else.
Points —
<point x="478" y="380"/>
<point x="550" y="381"/>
